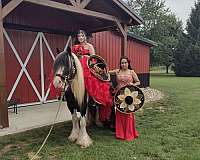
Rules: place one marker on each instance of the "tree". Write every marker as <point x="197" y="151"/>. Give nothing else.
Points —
<point x="168" y="32"/>
<point x="151" y="11"/>
<point x="161" y="26"/>
<point x="187" y="56"/>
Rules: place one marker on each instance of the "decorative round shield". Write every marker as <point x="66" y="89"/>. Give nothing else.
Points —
<point x="129" y="99"/>
<point x="98" y="67"/>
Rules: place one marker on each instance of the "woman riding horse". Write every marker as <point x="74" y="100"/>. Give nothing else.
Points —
<point x="74" y="77"/>
<point x="97" y="89"/>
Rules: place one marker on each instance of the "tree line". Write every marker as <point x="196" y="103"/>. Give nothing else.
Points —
<point x="176" y="47"/>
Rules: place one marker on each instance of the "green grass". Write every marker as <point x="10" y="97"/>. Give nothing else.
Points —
<point x="169" y="130"/>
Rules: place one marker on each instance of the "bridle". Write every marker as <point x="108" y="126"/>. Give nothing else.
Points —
<point x="70" y="76"/>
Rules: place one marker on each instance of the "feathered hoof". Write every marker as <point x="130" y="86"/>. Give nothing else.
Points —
<point x="73" y="137"/>
<point x="84" y="142"/>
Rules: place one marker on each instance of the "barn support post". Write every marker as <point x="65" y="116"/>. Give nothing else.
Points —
<point x="124" y="41"/>
<point x="123" y="30"/>
<point x="3" y="105"/>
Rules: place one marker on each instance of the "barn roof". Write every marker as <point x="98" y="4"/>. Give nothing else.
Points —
<point x="142" y="39"/>
<point x="67" y="16"/>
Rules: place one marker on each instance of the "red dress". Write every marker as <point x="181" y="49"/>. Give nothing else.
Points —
<point x="125" y="123"/>
<point x="97" y="89"/>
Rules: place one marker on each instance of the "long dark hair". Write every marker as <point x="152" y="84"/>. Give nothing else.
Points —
<point x="76" y="36"/>
<point x="129" y="62"/>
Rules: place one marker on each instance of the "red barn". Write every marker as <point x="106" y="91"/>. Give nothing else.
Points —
<point x="33" y="31"/>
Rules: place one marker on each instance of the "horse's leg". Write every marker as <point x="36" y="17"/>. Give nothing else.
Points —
<point x="93" y="112"/>
<point x="75" y="121"/>
<point x="97" y="121"/>
<point x="75" y="128"/>
<point x="83" y="138"/>
<point x="90" y="112"/>
<point x="88" y="117"/>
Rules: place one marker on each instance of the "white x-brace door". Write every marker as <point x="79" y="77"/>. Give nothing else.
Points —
<point x="40" y="38"/>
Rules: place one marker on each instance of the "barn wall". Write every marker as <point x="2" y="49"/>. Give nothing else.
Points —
<point x="18" y="45"/>
<point x="139" y="55"/>
<point x="108" y="45"/>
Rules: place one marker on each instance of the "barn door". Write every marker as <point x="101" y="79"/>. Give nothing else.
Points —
<point x="29" y="59"/>
<point x="52" y="45"/>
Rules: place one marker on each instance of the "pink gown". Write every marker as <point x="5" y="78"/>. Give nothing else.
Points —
<point x="125" y="123"/>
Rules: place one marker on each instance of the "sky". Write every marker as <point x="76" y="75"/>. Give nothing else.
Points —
<point x="182" y="8"/>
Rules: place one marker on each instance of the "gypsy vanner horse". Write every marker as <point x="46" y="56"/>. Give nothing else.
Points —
<point x="68" y="75"/>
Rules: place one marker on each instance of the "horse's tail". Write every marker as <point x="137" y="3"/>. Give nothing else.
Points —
<point x="78" y="86"/>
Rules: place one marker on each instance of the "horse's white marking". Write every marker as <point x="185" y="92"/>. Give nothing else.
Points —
<point x="75" y="130"/>
<point x="83" y="138"/>
<point x="57" y="82"/>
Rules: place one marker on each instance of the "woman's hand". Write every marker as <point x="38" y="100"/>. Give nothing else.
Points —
<point x="113" y="71"/>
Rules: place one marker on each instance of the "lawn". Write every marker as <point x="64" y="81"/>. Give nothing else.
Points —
<point x="169" y="130"/>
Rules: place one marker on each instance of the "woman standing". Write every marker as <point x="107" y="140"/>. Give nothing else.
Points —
<point x="97" y="89"/>
<point x="125" y="123"/>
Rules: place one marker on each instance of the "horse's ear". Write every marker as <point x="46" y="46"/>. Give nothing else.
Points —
<point x="69" y="51"/>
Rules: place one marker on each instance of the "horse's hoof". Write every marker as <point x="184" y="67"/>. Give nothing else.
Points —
<point x="85" y="142"/>
<point x="83" y="147"/>
<point x="86" y="145"/>
<point x="72" y="138"/>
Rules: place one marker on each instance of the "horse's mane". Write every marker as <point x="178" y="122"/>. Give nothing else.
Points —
<point x="64" y="60"/>
<point x="78" y="86"/>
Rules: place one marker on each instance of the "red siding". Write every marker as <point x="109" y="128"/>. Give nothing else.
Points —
<point x="108" y="45"/>
<point x="139" y="56"/>
<point x="23" y="41"/>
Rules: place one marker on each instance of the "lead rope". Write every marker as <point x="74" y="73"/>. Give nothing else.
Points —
<point x="60" y="102"/>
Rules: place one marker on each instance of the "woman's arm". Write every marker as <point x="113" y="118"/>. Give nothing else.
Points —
<point x="135" y="78"/>
<point x="113" y="71"/>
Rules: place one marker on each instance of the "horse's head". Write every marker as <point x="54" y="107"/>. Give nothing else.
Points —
<point x="63" y="69"/>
